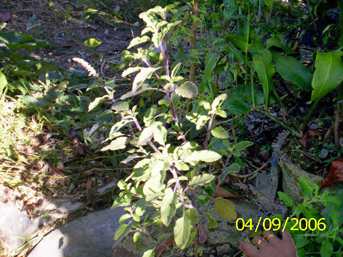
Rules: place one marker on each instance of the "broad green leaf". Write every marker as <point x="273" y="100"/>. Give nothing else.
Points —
<point x="204" y="156"/>
<point x="328" y="74"/>
<point x="117" y="144"/>
<point x="121" y="231"/>
<point x="326" y="248"/>
<point x="264" y="68"/>
<point x="149" y="253"/>
<point x="187" y="90"/>
<point x="293" y="71"/>
<point x="286" y="199"/>
<point x="220" y="132"/>
<point x="142" y="76"/>
<point x="168" y="206"/>
<point x="138" y="41"/>
<point x="201" y="180"/>
<point x="146" y="135"/>
<point x="92" y="42"/>
<point x="3" y="82"/>
<point x="226" y="209"/>
<point x="183" y="230"/>
<point x="154" y="186"/>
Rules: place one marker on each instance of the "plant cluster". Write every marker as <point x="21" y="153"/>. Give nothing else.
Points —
<point x="196" y="67"/>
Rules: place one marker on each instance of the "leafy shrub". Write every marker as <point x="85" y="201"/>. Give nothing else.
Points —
<point x="326" y="205"/>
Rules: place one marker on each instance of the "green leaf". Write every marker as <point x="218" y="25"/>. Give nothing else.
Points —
<point x="286" y="199"/>
<point x="241" y="146"/>
<point x="154" y="186"/>
<point x="92" y="42"/>
<point x="264" y="68"/>
<point x="308" y="188"/>
<point x="168" y="206"/>
<point x="220" y="132"/>
<point x="183" y="230"/>
<point x="225" y="208"/>
<point x="187" y="90"/>
<point x="149" y="253"/>
<point x="146" y="135"/>
<point x="204" y="156"/>
<point x="328" y="74"/>
<point x="137" y="237"/>
<point x="3" y="82"/>
<point x="117" y="144"/>
<point x="293" y="71"/>
<point x="160" y="133"/>
<point x="138" y="41"/>
<point x="201" y="180"/>
<point x="326" y="249"/>
<point x="218" y="101"/>
<point x="142" y="76"/>
<point x="121" y="231"/>
<point x="233" y="168"/>
<point x="176" y="70"/>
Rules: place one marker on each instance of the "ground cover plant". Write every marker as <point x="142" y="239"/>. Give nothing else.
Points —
<point x="216" y="110"/>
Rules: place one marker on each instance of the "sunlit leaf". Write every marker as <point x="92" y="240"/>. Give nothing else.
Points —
<point x="201" y="180"/>
<point x="204" y="156"/>
<point x="168" y="206"/>
<point x="96" y="102"/>
<point x="160" y="133"/>
<point x="117" y="144"/>
<point x="138" y="41"/>
<point x="187" y="90"/>
<point x="129" y="71"/>
<point x="183" y="230"/>
<point x="142" y="76"/>
<point x="146" y="135"/>
<point x="121" y="231"/>
<point x="92" y="42"/>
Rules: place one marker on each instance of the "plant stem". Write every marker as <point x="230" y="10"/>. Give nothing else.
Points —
<point x="208" y="133"/>
<point x="195" y="14"/>
<point x="309" y="114"/>
<point x="293" y="131"/>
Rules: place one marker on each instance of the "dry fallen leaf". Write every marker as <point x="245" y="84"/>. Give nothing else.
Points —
<point x="221" y="192"/>
<point x="164" y="246"/>
<point x="202" y="234"/>
<point x="335" y="174"/>
<point x="226" y="209"/>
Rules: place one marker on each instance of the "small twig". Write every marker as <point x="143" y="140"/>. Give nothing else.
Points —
<point x="208" y="133"/>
